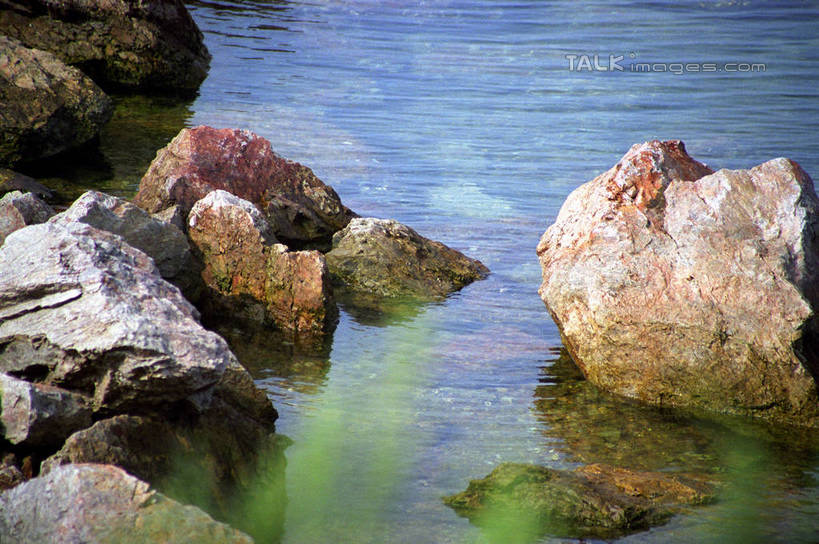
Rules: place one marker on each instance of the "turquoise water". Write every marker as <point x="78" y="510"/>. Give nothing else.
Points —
<point x="463" y="120"/>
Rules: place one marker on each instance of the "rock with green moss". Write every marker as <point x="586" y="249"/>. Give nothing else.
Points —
<point x="597" y="501"/>
<point x="146" y="44"/>
<point x="45" y="106"/>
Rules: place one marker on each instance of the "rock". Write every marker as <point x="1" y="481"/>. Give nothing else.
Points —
<point x="254" y="278"/>
<point x="162" y="241"/>
<point x="593" y="501"/>
<point x="40" y="415"/>
<point x="384" y="258"/>
<point x="18" y="210"/>
<point x="81" y="309"/>
<point x="10" y="473"/>
<point x="677" y="286"/>
<point x="101" y="504"/>
<point x="151" y="44"/>
<point x="300" y="208"/>
<point x="14" y="181"/>
<point x="45" y="106"/>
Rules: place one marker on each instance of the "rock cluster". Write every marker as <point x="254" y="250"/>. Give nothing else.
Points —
<point x="677" y="285"/>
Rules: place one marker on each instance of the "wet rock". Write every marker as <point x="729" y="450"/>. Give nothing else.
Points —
<point x="254" y="278"/>
<point x="300" y="208"/>
<point x="151" y="44"/>
<point x="162" y="241"/>
<point x="40" y="415"/>
<point x="45" y="106"/>
<point x="102" y="503"/>
<point x="384" y="258"/>
<point x="14" y="181"/>
<point x="677" y="286"/>
<point x="596" y="501"/>
<point x="18" y="210"/>
<point x="81" y="309"/>
<point x="10" y="473"/>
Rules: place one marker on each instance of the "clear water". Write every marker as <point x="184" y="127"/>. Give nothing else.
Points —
<point x="463" y="120"/>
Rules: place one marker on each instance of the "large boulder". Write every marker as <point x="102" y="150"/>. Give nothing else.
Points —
<point x="597" y="501"/>
<point x="18" y="210"/>
<point x="384" y="258"/>
<point x="45" y="106"/>
<point x="678" y="286"/>
<point x="162" y="241"/>
<point x="254" y="278"/>
<point x="97" y="504"/>
<point x="300" y="208"/>
<point x="148" y="44"/>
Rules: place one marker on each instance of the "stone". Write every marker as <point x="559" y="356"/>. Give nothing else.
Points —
<point x="252" y="277"/>
<point x="90" y="503"/>
<point x="10" y="473"/>
<point x="384" y="258"/>
<point x="18" y="210"/>
<point x="162" y="241"/>
<point x="593" y="501"/>
<point x="146" y="44"/>
<point x="677" y="286"/>
<point x="37" y="415"/>
<point x="302" y="211"/>
<point x="14" y="181"/>
<point x="45" y="106"/>
<point x="83" y="310"/>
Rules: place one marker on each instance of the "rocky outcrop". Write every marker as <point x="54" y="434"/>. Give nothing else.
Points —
<point x="596" y="501"/>
<point x="100" y="504"/>
<point x="384" y="258"/>
<point x="18" y="210"/>
<point x="151" y="44"/>
<point x="162" y="241"/>
<point x="254" y="278"/>
<point x="678" y="286"/>
<point x="45" y="106"/>
<point x="299" y="207"/>
<point x="14" y="181"/>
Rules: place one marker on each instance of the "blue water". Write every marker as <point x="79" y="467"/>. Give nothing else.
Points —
<point x="464" y="120"/>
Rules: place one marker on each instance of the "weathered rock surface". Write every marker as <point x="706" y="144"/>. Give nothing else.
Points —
<point x="14" y="181"/>
<point x="149" y="44"/>
<point x="45" y="106"/>
<point x="162" y="241"/>
<point x="384" y="258"/>
<point x="677" y="286"/>
<point x="253" y="277"/>
<point x="18" y="210"/>
<point x="85" y="504"/>
<point x="592" y="501"/>
<point x="300" y="208"/>
<point x="81" y="309"/>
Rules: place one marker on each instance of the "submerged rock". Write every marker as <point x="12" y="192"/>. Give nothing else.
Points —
<point x="91" y="504"/>
<point x="14" y="181"/>
<point x="592" y="501"/>
<point x="253" y="277"/>
<point x="300" y="208"/>
<point x="384" y="258"/>
<point x="677" y="286"/>
<point x="18" y="210"/>
<point x="162" y="241"/>
<point x="148" y="44"/>
<point x="45" y="106"/>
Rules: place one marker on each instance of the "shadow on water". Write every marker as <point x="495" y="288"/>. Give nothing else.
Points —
<point x="117" y="160"/>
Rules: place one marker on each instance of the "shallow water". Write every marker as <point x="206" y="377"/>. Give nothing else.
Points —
<point x="463" y="120"/>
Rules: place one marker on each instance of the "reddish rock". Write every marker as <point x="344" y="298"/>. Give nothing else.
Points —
<point x="677" y="286"/>
<point x="253" y="277"/>
<point x="18" y="210"/>
<point x="299" y="207"/>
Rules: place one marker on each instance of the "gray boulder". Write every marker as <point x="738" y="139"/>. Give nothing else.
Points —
<point x="162" y="241"/>
<point x="678" y="286"/>
<point x="383" y="258"/>
<point x="45" y="106"/>
<point x="18" y="210"/>
<point x="101" y="504"/>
